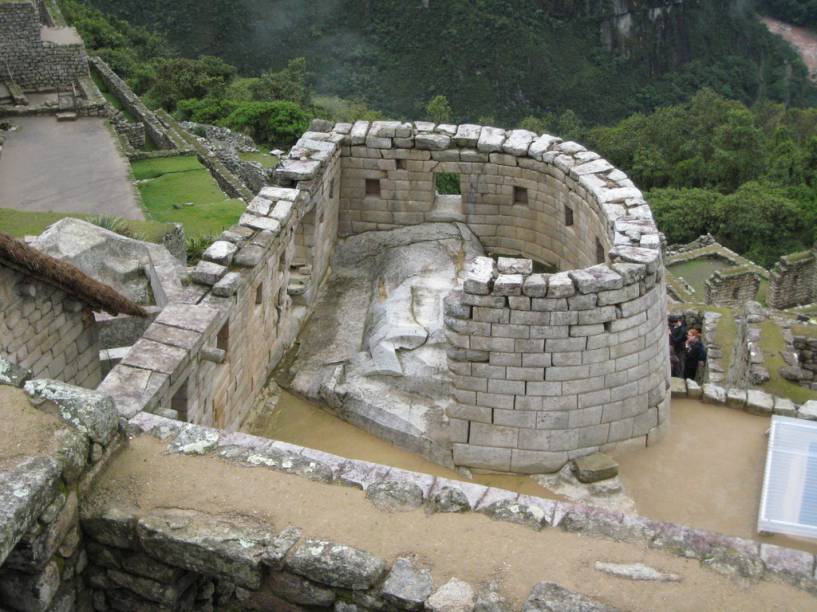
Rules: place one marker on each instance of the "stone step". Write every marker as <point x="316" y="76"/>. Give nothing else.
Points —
<point x="67" y="116"/>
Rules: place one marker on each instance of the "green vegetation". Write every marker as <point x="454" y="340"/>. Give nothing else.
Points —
<point x="799" y="12"/>
<point x="746" y="175"/>
<point x="20" y="223"/>
<point x="447" y="183"/>
<point x="773" y="344"/>
<point x="265" y="159"/>
<point x="180" y="189"/>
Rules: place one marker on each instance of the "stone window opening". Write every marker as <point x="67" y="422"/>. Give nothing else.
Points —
<point x="447" y="184"/>
<point x="179" y="401"/>
<point x="223" y="338"/>
<point x="373" y="187"/>
<point x="601" y="255"/>
<point x="401" y="164"/>
<point x="520" y="196"/>
<point x="568" y="216"/>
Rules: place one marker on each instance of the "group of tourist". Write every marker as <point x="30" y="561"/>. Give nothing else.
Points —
<point x="687" y="350"/>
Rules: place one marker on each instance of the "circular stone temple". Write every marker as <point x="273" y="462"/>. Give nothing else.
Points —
<point x="543" y="367"/>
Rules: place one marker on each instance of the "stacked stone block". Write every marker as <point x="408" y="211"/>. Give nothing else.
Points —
<point x="546" y="368"/>
<point x="32" y="62"/>
<point x="732" y="287"/>
<point x="46" y="331"/>
<point x="793" y="281"/>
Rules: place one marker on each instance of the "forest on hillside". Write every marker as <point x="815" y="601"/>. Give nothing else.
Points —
<point x="722" y="142"/>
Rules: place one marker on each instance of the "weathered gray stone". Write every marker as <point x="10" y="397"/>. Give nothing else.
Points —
<point x="12" y="374"/>
<point x="299" y="590"/>
<point x="490" y="600"/>
<point x="560" y="286"/>
<point x="249" y="256"/>
<point x="783" y="406"/>
<point x="220" y="252"/>
<point x="25" y="492"/>
<point x="536" y="285"/>
<point x="432" y="142"/>
<point x="40" y="544"/>
<point x="679" y="387"/>
<point x="550" y="597"/>
<point x="30" y="592"/>
<point x="759" y="402"/>
<point x="449" y="499"/>
<point x="166" y="594"/>
<point x="395" y="495"/>
<point x="513" y="511"/>
<point x="297" y="169"/>
<point x="277" y="551"/>
<point x="808" y="411"/>
<point x="694" y="390"/>
<point x="512" y="265"/>
<point x="491" y="139"/>
<point x="518" y="142"/>
<point x="793" y="566"/>
<point x="736" y="398"/>
<point x="713" y="394"/>
<point x="480" y="276"/>
<point x="228" y="285"/>
<point x="91" y="412"/>
<point x="595" y="467"/>
<point x="225" y="548"/>
<point x="407" y="587"/>
<point x="467" y="135"/>
<point x="508" y="284"/>
<point x="283" y="461"/>
<point x="194" y="440"/>
<point x="207" y="273"/>
<point x="597" y="278"/>
<point x="636" y="571"/>
<point x="336" y="565"/>
<point x="454" y="596"/>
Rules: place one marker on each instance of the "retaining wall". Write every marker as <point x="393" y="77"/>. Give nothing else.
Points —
<point x="35" y="63"/>
<point x="45" y="331"/>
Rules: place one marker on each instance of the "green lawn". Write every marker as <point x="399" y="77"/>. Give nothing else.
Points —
<point x="265" y="159"/>
<point x="697" y="271"/>
<point x="181" y="190"/>
<point x="19" y="223"/>
<point x="772" y="343"/>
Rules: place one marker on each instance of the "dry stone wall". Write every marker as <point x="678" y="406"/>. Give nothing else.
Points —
<point x="33" y="62"/>
<point x="731" y="287"/>
<point x="793" y="281"/>
<point x="45" y="331"/>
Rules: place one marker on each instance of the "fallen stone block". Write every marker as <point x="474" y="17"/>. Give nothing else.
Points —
<point x="395" y="495"/>
<point x="636" y="571"/>
<point x="454" y="596"/>
<point x="407" y="587"/>
<point x="449" y="499"/>
<point x="513" y="511"/>
<point x="595" y="467"/>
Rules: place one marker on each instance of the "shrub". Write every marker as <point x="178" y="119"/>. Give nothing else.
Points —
<point x="275" y="123"/>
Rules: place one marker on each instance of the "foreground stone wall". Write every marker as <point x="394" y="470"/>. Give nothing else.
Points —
<point x="45" y="331"/>
<point x="793" y="281"/>
<point x="32" y="62"/>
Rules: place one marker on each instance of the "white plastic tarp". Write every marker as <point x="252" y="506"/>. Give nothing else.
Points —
<point x="789" y="501"/>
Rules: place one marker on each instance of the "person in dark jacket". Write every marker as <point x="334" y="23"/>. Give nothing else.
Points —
<point x="695" y="354"/>
<point x="678" y="336"/>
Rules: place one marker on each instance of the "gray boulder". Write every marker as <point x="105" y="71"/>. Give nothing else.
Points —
<point x="91" y="412"/>
<point x="449" y="499"/>
<point x="337" y="565"/>
<point x="406" y="587"/>
<point x="515" y="512"/>
<point x="550" y="597"/>
<point x="12" y="374"/>
<point x="395" y="495"/>
<point x="454" y="596"/>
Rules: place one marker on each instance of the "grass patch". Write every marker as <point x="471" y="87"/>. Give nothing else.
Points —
<point x="772" y="344"/>
<point x="181" y="190"/>
<point x="20" y="223"/>
<point x="265" y="159"/>
<point x="111" y="99"/>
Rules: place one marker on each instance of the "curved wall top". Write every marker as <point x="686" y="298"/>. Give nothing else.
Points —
<point x="544" y="367"/>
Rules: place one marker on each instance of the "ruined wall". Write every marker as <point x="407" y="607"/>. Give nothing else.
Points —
<point x="205" y="360"/>
<point x="793" y="281"/>
<point x="42" y="551"/>
<point x="47" y="332"/>
<point x="731" y="287"/>
<point x="153" y="127"/>
<point x="33" y="62"/>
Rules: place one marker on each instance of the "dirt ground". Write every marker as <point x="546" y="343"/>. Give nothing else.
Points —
<point x="802" y="39"/>
<point x="471" y="547"/>
<point x="25" y="431"/>
<point x="68" y="166"/>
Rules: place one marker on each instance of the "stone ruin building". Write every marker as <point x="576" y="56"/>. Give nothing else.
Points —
<point x="47" y="323"/>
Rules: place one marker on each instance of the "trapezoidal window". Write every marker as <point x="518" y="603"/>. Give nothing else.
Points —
<point x="223" y="338"/>
<point x="568" y="216"/>
<point x="520" y="196"/>
<point x="373" y="187"/>
<point x="447" y="183"/>
<point x="401" y="164"/>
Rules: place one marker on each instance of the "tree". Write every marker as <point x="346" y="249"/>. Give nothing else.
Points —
<point x="182" y="78"/>
<point x="684" y="214"/>
<point x="439" y="110"/>
<point x="739" y="152"/>
<point x="276" y="123"/>
<point x="287" y="84"/>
